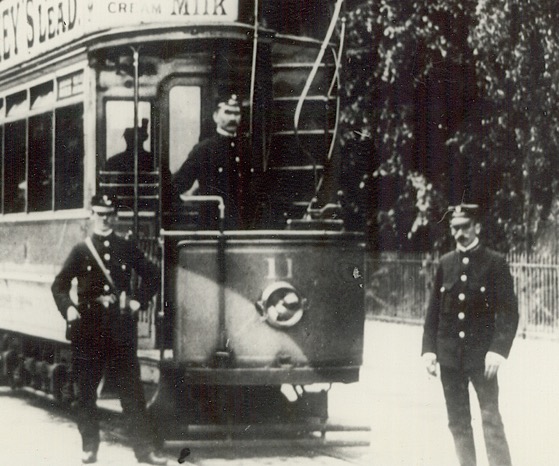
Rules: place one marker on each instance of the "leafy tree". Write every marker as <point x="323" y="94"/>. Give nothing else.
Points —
<point x="516" y="48"/>
<point x="451" y="100"/>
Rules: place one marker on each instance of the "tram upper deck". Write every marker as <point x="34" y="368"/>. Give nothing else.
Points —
<point x="75" y="75"/>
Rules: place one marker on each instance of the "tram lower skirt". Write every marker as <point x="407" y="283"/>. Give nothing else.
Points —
<point x="177" y="406"/>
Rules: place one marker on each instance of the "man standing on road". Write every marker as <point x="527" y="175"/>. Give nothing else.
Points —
<point x="469" y="328"/>
<point x="103" y="327"/>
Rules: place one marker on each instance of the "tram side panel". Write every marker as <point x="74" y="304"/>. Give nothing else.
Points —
<point x="292" y="312"/>
<point x="30" y="256"/>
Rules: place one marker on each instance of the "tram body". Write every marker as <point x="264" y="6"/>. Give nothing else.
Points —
<point x="240" y="312"/>
<point x="319" y="343"/>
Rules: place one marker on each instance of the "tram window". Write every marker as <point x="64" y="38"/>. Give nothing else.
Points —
<point x="40" y="163"/>
<point x="185" y="104"/>
<point x="15" y="182"/>
<point x="309" y="18"/>
<point x="42" y="95"/>
<point x="69" y="154"/>
<point x="70" y="85"/>
<point x="28" y="162"/>
<point x="17" y="103"/>
<point x="119" y="117"/>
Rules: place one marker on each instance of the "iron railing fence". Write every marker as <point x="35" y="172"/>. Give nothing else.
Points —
<point x="399" y="284"/>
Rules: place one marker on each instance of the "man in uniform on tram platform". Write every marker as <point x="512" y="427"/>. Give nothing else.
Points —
<point x="471" y="322"/>
<point x="221" y="165"/>
<point x="102" y="327"/>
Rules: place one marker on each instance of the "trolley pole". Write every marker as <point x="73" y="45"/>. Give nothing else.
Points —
<point x="135" y="228"/>
<point x="253" y="67"/>
<point x="135" y="55"/>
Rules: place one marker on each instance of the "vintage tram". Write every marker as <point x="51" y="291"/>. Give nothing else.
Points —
<point x="241" y="313"/>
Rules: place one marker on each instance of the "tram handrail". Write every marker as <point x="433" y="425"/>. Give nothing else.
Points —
<point x="200" y="198"/>
<point x="206" y="198"/>
<point x="222" y="354"/>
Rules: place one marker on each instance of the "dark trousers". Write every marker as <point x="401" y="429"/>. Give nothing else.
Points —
<point x="97" y="342"/>
<point x="455" y="386"/>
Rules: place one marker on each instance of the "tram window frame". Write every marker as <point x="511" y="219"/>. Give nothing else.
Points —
<point x="40" y="167"/>
<point x="15" y="174"/>
<point x="69" y="171"/>
<point x="49" y="184"/>
<point x="42" y="96"/>
<point x="114" y="133"/>
<point x="17" y="103"/>
<point x="206" y="124"/>
<point x="69" y="85"/>
<point x="179" y="149"/>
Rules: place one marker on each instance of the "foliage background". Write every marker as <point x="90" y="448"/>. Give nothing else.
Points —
<point x="447" y="101"/>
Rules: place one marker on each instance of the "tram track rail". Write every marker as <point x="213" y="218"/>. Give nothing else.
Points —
<point x="301" y="436"/>
<point x="237" y="452"/>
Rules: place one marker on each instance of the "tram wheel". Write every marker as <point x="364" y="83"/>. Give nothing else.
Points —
<point x="9" y="365"/>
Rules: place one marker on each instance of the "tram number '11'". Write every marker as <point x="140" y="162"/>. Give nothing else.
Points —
<point x="286" y="269"/>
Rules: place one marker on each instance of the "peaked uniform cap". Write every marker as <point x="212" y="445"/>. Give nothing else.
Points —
<point x="228" y="100"/>
<point x="463" y="213"/>
<point x="103" y="203"/>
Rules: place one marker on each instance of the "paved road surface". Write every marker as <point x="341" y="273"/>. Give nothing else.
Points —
<point x="403" y="406"/>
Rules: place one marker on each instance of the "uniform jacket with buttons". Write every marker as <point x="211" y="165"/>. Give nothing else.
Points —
<point x="222" y="166"/>
<point x="120" y="257"/>
<point x="472" y="310"/>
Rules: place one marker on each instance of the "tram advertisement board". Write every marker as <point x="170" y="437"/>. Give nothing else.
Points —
<point x="29" y="28"/>
<point x="122" y="13"/>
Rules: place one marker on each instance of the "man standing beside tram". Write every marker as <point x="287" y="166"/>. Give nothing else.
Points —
<point x="469" y="328"/>
<point x="102" y="327"/>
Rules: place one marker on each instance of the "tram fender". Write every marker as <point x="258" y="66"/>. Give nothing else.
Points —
<point x="166" y="408"/>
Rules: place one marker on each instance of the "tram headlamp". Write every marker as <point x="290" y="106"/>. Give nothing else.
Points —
<point x="281" y="305"/>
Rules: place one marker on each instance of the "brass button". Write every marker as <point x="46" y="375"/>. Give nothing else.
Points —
<point x="461" y="315"/>
<point x="107" y="257"/>
<point x="464" y="277"/>
<point x="462" y="334"/>
<point x="443" y="289"/>
<point x="465" y="260"/>
<point x="106" y="287"/>
<point x="461" y="296"/>
<point x="107" y="243"/>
